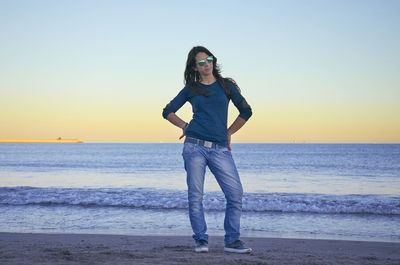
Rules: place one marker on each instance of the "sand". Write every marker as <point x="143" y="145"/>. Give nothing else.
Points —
<point x="19" y="248"/>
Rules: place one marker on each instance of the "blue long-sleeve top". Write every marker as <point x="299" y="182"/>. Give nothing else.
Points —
<point x="210" y="113"/>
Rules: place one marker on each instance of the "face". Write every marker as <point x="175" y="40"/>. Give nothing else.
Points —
<point x="206" y="68"/>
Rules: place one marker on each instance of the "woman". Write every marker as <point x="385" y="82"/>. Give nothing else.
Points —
<point x="207" y="143"/>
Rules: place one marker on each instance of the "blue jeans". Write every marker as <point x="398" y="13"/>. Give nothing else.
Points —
<point x="220" y="162"/>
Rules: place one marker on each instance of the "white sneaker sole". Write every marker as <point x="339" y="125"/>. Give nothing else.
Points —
<point x="240" y="251"/>
<point x="201" y="250"/>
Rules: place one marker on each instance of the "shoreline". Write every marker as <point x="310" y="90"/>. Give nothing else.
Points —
<point x="40" y="248"/>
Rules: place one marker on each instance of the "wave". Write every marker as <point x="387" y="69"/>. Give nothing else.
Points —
<point x="172" y="199"/>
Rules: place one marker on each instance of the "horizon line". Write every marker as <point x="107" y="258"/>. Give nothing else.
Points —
<point x="77" y="140"/>
<point x="123" y="142"/>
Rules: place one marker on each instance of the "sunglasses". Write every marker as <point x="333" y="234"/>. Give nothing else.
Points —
<point x="203" y="62"/>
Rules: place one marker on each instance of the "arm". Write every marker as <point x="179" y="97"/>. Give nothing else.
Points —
<point x="236" y="125"/>
<point x="245" y="113"/>
<point x="175" y="120"/>
<point x="172" y="107"/>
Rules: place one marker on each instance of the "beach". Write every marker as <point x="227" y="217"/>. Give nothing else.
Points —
<point x="28" y="248"/>
<point x="127" y="204"/>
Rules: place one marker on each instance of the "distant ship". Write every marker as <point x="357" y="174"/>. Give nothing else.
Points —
<point x="58" y="140"/>
<point x="299" y="142"/>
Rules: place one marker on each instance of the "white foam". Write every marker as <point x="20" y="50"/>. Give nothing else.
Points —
<point x="177" y="199"/>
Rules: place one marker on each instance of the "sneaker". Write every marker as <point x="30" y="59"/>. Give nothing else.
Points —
<point x="201" y="246"/>
<point x="237" y="247"/>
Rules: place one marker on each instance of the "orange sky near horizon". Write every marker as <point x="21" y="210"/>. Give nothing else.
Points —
<point x="272" y="123"/>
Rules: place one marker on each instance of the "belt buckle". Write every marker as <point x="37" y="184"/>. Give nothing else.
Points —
<point x="208" y="144"/>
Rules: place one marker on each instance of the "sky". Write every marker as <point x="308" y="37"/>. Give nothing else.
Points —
<point x="102" y="71"/>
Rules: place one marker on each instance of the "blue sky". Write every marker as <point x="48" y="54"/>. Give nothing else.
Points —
<point x="315" y="71"/>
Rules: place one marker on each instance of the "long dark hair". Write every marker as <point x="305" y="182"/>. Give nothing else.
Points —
<point x="192" y="77"/>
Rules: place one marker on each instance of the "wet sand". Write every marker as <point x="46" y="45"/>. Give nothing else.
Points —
<point x="20" y="248"/>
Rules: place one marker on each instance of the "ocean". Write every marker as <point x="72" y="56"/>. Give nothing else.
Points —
<point x="318" y="191"/>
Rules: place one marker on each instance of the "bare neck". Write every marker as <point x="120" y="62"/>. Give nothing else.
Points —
<point x="206" y="80"/>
